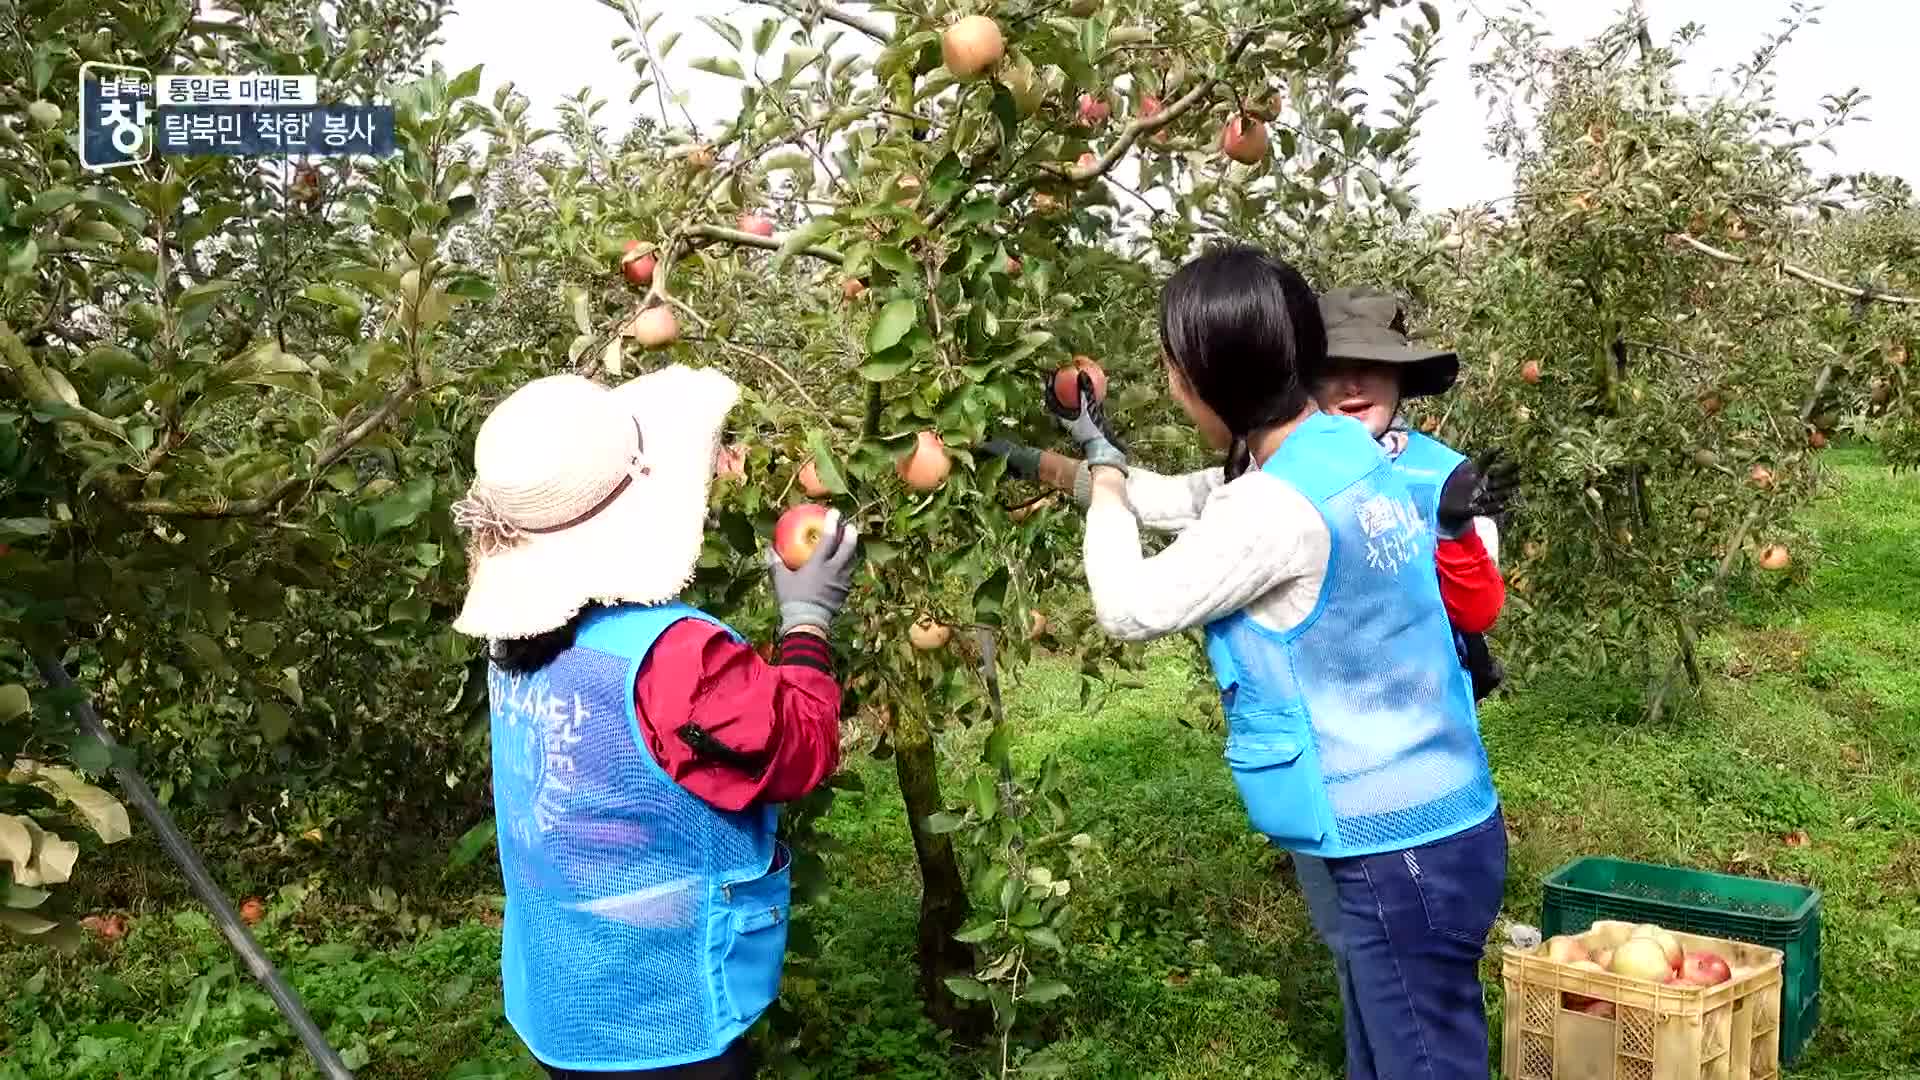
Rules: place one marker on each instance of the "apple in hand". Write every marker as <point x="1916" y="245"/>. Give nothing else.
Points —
<point x="799" y="532"/>
<point x="1066" y="382"/>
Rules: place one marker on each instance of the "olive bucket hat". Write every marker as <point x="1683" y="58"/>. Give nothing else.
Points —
<point x="1364" y="323"/>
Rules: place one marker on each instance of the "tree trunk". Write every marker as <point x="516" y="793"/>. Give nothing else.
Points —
<point x="944" y="906"/>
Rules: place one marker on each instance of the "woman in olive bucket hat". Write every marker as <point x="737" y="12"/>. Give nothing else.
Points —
<point x="640" y="748"/>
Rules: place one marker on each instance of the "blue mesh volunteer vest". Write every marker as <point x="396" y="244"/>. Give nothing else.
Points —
<point x="1354" y="732"/>
<point x="1424" y="467"/>
<point x="643" y="928"/>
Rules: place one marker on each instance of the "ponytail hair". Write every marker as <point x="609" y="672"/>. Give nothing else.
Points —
<point x="1243" y="329"/>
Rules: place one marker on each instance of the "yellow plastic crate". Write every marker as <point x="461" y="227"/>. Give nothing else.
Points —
<point x="1657" y="1032"/>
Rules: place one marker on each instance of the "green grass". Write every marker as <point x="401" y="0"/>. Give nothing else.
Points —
<point x="1191" y="956"/>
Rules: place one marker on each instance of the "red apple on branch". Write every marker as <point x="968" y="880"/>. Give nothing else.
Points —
<point x="756" y="224"/>
<point x="809" y="481"/>
<point x="654" y="328"/>
<point x="852" y="288"/>
<point x="971" y="47"/>
<point x="1094" y="110"/>
<point x="1244" y="139"/>
<point x="928" y="634"/>
<point x="638" y="268"/>
<point x="798" y="532"/>
<point x="926" y="466"/>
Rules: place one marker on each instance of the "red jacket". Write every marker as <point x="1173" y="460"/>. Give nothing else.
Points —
<point x="785" y="713"/>
<point x="1470" y="584"/>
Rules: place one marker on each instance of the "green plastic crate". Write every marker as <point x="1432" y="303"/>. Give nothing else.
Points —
<point x="1770" y="913"/>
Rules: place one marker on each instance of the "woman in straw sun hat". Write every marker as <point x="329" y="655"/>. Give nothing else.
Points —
<point x="640" y="748"/>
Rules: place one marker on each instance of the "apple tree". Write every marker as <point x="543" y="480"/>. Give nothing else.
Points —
<point x="1643" y="332"/>
<point x="915" y="213"/>
<point x="234" y="401"/>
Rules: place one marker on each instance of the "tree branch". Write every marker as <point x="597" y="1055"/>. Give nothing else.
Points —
<point x="1789" y="269"/>
<point x="347" y="437"/>
<point x="804" y="9"/>
<point x="17" y="360"/>
<point x="765" y="243"/>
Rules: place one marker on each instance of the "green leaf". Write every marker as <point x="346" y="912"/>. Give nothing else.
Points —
<point x="887" y="367"/>
<point x="472" y="844"/>
<point x="966" y="988"/>
<point x="20" y="528"/>
<point x="1007" y="111"/>
<point x="797" y="60"/>
<point x="980" y="931"/>
<point x="985" y="794"/>
<point x="104" y="814"/>
<point x="942" y="823"/>
<point x="259" y="639"/>
<point x="896" y="260"/>
<point x="999" y="747"/>
<point x="1433" y="15"/>
<point x="206" y="650"/>
<point x="22" y="256"/>
<point x="990" y="597"/>
<point x="47" y="202"/>
<point x="471" y="287"/>
<point x="290" y="686"/>
<point x="14" y="702"/>
<point x="723" y="28"/>
<point x="763" y="37"/>
<point x="465" y="85"/>
<point x="892" y="324"/>
<point x="275" y="722"/>
<point x="23" y="897"/>
<point x="25" y="925"/>
<point x="1029" y="343"/>
<point x="409" y="609"/>
<point x="204" y="294"/>
<point x="804" y="236"/>
<point x="112" y="361"/>
<point x="404" y="507"/>
<point x="825" y="465"/>
<point x="1045" y="990"/>
<point x="1044" y="935"/>
<point x="719" y="65"/>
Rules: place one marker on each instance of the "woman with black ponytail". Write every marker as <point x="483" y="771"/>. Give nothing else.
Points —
<point x="1351" y="734"/>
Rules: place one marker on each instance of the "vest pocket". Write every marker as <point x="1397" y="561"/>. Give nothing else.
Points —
<point x="756" y="939"/>
<point x="1278" y="773"/>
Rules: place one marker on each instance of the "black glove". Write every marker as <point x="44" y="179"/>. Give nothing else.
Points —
<point x="1022" y="461"/>
<point x="1087" y="426"/>
<point x="1477" y="489"/>
<point x="1487" y="672"/>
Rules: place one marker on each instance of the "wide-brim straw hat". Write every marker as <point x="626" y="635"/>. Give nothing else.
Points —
<point x="1367" y="324"/>
<point x="584" y="493"/>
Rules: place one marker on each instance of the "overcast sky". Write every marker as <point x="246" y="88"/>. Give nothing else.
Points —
<point x="552" y="48"/>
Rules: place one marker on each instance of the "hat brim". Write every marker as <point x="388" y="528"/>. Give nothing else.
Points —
<point x="643" y="547"/>
<point x="1423" y="374"/>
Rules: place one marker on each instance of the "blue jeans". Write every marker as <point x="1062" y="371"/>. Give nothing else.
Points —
<point x="1407" y="930"/>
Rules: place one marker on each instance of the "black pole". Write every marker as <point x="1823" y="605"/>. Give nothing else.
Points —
<point x="181" y="849"/>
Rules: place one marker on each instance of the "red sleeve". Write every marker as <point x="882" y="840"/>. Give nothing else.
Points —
<point x="771" y="730"/>
<point x="1470" y="583"/>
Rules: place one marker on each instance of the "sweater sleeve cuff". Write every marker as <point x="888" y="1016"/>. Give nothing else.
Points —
<point x="805" y="650"/>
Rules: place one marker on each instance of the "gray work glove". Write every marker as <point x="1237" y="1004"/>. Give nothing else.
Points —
<point x="1022" y="461"/>
<point x="815" y="593"/>
<point x="1088" y="427"/>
